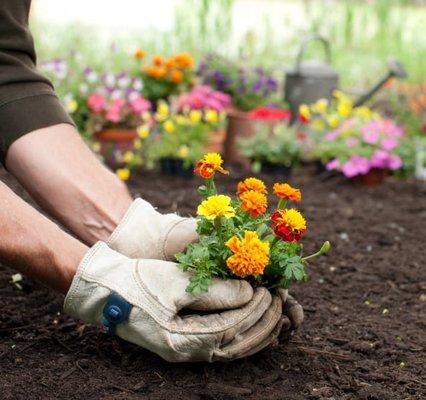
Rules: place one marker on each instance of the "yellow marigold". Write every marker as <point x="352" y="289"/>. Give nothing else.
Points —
<point x="209" y="164"/>
<point x="285" y="191"/>
<point x="255" y="203"/>
<point x="320" y="106"/>
<point x="333" y="121"/>
<point x="305" y="112"/>
<point x="216" y="206"/>
<point x="143" y="131"/>
<point x="289" y="224"/>
<point x="169" y="126"/>
<point x="123" y="173"/>
<point x="250" y="257"/>
<point x="251" y="184"/>
<point x="195" y="116"/>
<point x="211" y="116"/>
<point x="344" y="108"/>
<point x="184" y="60"/>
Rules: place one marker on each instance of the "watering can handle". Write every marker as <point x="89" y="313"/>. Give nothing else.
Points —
<point x="305" y="41"/>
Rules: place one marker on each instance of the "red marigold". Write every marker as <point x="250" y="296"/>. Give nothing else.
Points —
<point x="208" y="165"/>
<point x="289" y="224"/>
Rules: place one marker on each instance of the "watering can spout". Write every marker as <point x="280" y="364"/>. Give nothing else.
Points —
<point x="395" y="70"/>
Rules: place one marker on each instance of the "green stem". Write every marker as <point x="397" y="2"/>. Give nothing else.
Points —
<point x="281" y="204"/>
<point x="323" y="250"/>
<point x="273" y="243"/>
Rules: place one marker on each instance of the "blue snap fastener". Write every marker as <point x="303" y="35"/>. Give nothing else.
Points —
<point x="115" y="311"/>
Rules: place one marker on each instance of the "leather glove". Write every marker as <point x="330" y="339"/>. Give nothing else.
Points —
<point x="141" y="301"/>
<point x="145" y="233"/>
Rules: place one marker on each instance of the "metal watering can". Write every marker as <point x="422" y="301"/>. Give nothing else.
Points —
<point x="313" y="80"/>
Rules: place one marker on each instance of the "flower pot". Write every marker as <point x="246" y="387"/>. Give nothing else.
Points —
<point x="175" y="166"/>
<point x="114" y="142"/>
<point x="216" y="141"/>
<point x="275" y="169"/>
<point x="373" y="178"/>
<point x="239" y="125"/>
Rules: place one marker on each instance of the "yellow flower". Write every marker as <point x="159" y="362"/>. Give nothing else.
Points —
<point x="333" y="121"/>
<point x="137" y="144"/>
<point x="72" y="106"/>
<point x="123" y="173"/>
<point x="169" y="126"/>
<point x="318" y="125"/>
<point x="128" y="156"/>
<point x="254" y="203"/>
<point x="181" y="120"/>
<point x="163" y="109"/>
<point x="304" y="112"/>
<point x="211" y="116"/>
<point x="363" y="112"/>
<point x="344" y="108"/>
<point x="183" y="151"/>
<point x="195" y="116"/>
<point x="339" y="95"/>
<point x="146" y="116"/>
<point x="320" y="106"/>
<point x="143" y="131"/>
<point x="208" y="165"/>
<point x="251" y="184"/>
<point x="216" y="206"/>
<point x="289" y="224"/>
<point x="250" y="257"/>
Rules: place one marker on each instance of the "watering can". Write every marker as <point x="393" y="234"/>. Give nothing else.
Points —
<point x="310" y="80"/>
<point x="313" y="80"/>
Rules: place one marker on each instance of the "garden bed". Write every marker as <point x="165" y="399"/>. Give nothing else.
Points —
<point x="363" y="337"/>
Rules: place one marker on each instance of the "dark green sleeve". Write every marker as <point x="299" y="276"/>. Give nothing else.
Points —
<point x="27" y="99"/>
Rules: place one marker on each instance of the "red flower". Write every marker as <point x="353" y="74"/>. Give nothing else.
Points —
<point x="288" y="224"/>
<point x="269" y="114"/>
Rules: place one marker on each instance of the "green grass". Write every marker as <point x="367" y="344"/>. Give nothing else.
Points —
<point x="362" y="36"/>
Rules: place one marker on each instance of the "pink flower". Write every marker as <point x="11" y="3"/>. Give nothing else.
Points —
<point x="96" y="102"/>
<point x="140" y="105"/>
<point x="351" y="142"/>
<point x="380" y="159"/>
<point x="113" y="115"/>
<point x="394" y="162"/>
<point x="389" y="144"/>
<point x="370" y="135"/>
<point x="203" y="97"/>
<point x="333" y="164"/>
<point x="356" y="165"/>
<point x="332" y="135"/>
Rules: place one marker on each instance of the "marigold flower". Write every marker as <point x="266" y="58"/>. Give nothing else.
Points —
<point x="251" y="184"/>
<point x="123" y="173"/>
<point x="211" y="116"/>
<point x="255" y="203"/>
<point x="138" y="54"/>
<point x="169" y="126"/>
<point x="170" y="63"/>
<point x="285" y="191"/>
<point x="250" y="257"/>
<point x="209" y="164"/>
<point x="195" y="116"/>
<point x="304" y="113"/>
<point x="156" y="72"/>
<point x="289" y="224"/>
<point x="158" y="60"/>
<point x="176" y="76"/>
<point x="143" y="131"/>
<point x="184" y="60"/>
<point x="216" y="206"/>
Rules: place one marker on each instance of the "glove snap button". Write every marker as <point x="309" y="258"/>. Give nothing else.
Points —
<point x="116" y="311"/>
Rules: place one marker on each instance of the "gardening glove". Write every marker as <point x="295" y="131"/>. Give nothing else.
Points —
<point x="145" y="233"/>
<point x="141" y="301"/>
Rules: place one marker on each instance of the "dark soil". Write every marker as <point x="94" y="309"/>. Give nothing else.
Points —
<point x="363" y="337"/>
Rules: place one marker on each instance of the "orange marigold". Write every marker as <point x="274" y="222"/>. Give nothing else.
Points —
<point x="176" y="76"/>
<point x="250" y="257"/>
<point x="289" y="224"/>
<point x="138" y="54"/>
<point x="255" y="203"/>
<point x="285" y="191"/>
<point x="156" y="72"/>
<point x="251" y="184"/>
<point x="184" y="60"/>
<point x="158" y="60"/>
<point x="170" y="63"/>
<point x="209" y="164"/>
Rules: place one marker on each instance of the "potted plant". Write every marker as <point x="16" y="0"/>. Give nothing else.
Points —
<point x="249" y="88"/>
<point x="213" y="105"/>
<point x="274" y="148"/>
<point x="364" y="152"/>
<point x="179" y="139"/>
<point x="162" y="76"/>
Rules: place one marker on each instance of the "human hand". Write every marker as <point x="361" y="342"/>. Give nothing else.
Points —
<point x="142" y="300"/>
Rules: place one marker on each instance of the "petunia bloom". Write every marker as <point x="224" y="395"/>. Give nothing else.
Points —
<point x="208" y="165"/>
<point x="216" y="206"/>
<point x="285" y="191"/>
<point x="289" y="224"/>
<point x="254" y="203"/>
<point x="250" y="257"/>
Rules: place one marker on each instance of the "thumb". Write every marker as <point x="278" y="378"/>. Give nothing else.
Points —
<point x="180" y="234"/>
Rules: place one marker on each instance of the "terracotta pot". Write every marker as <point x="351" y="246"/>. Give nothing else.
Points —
<point x="113" y="142"/>
<point x="372" y="178"/>
<point x="216" y="141"/>
<point x="239" y="125"/>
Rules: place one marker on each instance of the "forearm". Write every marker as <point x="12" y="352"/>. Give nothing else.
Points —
<point x="65" y="178"/>
<point x="36" y="246"/>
